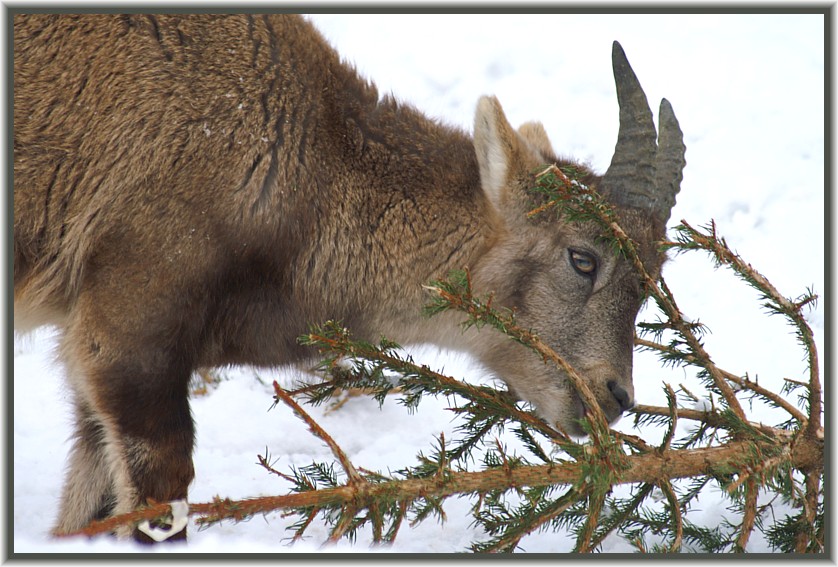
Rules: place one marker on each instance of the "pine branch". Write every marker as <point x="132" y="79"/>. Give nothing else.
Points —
<point x="596" y="499"/>
<point x="515" y="531"/>
<point x="749" y="518"/>
<point x="807" y="538"/>
<point x="673" y="418"/>
<point x="335" y="341"/>
<point x="675" y="512"/>
<point x="641" y="468"/>
<point x="741" y="382"/>
<point x="691" y="239"/>
<point x="710" y="418"/>
<point x="666" y="302"/>
<point x="318" y="431"/>
<point x="621" y="515"/>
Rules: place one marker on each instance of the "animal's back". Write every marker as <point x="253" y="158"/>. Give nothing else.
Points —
<point x="156" y="130"/>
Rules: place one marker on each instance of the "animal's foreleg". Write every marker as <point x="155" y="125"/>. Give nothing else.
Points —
<point x="135" y="430"/>
<point x="151" y="448"/>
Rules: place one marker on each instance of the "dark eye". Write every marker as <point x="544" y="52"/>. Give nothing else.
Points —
<point x="583" y="263"/>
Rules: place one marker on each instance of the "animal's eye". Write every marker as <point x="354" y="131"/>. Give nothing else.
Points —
<point x="583" y="263"/>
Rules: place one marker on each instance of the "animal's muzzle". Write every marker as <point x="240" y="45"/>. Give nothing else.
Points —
<point x="624" y="400"/>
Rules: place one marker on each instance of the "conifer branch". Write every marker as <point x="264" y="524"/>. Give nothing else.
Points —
<point x="509" y="540"/>
<point x="641" y="468"/>
<point x="673" y="418"/>
<point x="622" y="515"/>
<point x="584" y="541"/>
<point x="335" y="341"/>
<point x="692" y="239"/>
<point x="808" y="538"/>
<point x="666" y="301"/>
<point x="711" y="418"/>
<point x="675" y="512"/>
<point x="314" y="427"/>
<point x="773" y="397"/>
<point x="749" y="515"/>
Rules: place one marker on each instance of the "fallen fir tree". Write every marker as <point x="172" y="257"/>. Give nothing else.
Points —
<point x="561" y="482"/>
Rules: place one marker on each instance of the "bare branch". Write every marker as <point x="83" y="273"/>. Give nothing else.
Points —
<point x="749" y="516"/>
<point x="677" y="520"/>
<point x="711" y="418"/>
<point x="352" y="474"/>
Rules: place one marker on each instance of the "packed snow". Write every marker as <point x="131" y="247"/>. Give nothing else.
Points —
<point x="748" y="91"/>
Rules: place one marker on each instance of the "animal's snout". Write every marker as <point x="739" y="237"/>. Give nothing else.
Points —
<point x="624" y="399"/>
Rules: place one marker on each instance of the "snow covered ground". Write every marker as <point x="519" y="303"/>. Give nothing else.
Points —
<point x="749" y="93"/>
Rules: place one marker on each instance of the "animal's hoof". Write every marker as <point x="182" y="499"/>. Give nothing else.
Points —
<point x="180" y="517"/>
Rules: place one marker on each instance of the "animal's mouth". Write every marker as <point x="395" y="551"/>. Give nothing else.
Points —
<point x="582" y="413"/>
<point x="579" y="413"/>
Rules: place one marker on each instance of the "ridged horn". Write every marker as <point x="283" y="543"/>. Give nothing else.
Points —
<point x="646" y="170"/>
<point x="670" y="160"/>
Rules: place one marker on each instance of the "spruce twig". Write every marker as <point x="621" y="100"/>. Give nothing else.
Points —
<point x="741" y="382"/>
<point x="750" y="514"/>
<point x="675" y="512"/>
<point x="640" y="468"/>
<point x="673" y="418"/>
<point x="710" y="418"/>
<point x="509" y="540"/>
<point x="352" y="474"/>
<point x="585" y="538"/>
<point x="692" y="239"/>
<point x="335" y="341"/>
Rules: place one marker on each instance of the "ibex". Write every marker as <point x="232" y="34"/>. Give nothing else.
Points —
<point x="195" y="191"/>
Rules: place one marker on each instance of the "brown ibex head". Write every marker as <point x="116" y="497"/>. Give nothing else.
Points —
<point x="562" y="280"/>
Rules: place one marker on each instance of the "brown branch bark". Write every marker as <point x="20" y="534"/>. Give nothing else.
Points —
<point x="595" y="503"/>
<point x="675" y="506"/>
<point x="810" y="507"/>
<point x="739" y="381"/>
<point x="707" y="417"/>
<point x="314" y="427"/>
<point x="750" y="514"/>
<point x="720" y="250"/>
<point x="649" y="467"/>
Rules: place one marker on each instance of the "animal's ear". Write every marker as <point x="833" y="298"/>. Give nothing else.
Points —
<point x="536" y="136"/>
<point x="497" y="146"/>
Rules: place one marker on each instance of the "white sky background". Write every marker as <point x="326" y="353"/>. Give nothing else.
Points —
<point x="748" y="92"/>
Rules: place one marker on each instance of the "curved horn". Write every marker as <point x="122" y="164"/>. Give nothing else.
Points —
<point x="670" y="161"/>
<point x="643" y="175"/>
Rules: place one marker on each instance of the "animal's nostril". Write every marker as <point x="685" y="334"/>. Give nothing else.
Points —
<point x="620" y="395"/>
